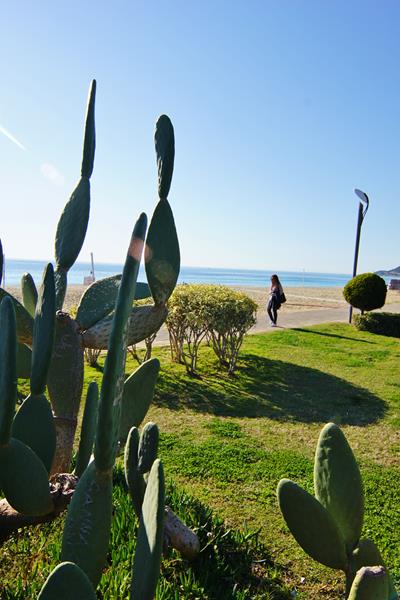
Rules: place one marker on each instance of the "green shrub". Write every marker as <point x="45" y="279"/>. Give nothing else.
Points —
<point x="366" y="291"/>
<point x="218" y="312"/>
<point x="231" y="316"/>
<point x="187" y="323"/>
<point x="381" y="323"/>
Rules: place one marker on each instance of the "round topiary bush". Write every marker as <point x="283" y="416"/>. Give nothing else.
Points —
<point x="366" y="291"/>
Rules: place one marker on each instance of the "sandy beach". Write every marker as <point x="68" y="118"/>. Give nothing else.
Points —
<point x="298" y="298"/>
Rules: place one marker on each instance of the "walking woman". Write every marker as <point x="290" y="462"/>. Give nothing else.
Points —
<point x="276" y="298"/>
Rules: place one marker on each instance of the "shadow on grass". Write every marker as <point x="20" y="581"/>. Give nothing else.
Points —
<point x="333" y="335"/>
<point x="270" y="388"/>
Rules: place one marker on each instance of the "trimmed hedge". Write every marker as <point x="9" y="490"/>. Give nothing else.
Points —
<point x="382" y="323"/>
<point x="366" y="291"/>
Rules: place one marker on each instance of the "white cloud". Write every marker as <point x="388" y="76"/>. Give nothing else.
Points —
<point x="50" y="172"/>
<point x="10" y="136"/>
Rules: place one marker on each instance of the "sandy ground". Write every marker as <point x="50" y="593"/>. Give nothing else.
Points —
<point x="298" y="298"/>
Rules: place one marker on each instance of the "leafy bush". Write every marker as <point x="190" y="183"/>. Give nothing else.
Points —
<point x="187" y="323"/>
<point x="231" y="316"/>
<point x="218" y="312"/>
<point x="366" y="291"/>
<point x="381" y="323"/>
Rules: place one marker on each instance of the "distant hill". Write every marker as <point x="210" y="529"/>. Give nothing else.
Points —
<point x="391" y="273"/>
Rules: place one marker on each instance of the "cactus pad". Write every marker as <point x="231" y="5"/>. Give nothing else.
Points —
<point x="23" y="318"/>
<point x="88" y="429"/>
<point x="29" y="293"/>
<point x="89" y="142"/>
<point x="146" y="567"/>
<point x="338" y="484"/>
<point x="370" y="583"/>
<point x="72" y="226"/>
<point x="165" y="152"/>
<point x="311" y="525"/>
<point x="67" y="582"/>
<point x="162" y="256"/>
<point x="24" y="359"/>
<point x="134" y="480"/>
<point x="137" y="396"/>
<point x="143" y="322"/>
<point x="98" y="301"/>
<point x="366" y="554"/>
<point x="148" y="447"/>
<point x="142" y="290"/>
<point x="88" y="522"/>
<point x="24" y="479"/>
<point x="34" y="426"/>
<point x="43" y="332"/>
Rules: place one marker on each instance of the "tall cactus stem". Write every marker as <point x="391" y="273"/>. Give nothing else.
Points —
<point x="8" y="369"/>
<point x="114" y="368"/>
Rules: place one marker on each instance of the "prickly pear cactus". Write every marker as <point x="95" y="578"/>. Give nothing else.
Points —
<point x="92" y="327"/>
<point x="38" y="439"/>
<point x="328" y="526"/>
<point x="87" y="528"/>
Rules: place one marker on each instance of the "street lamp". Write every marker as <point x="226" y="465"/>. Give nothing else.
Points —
<point x="362" y="211"/>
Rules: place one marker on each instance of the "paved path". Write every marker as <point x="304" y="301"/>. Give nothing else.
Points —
<point x="301" y="318"/>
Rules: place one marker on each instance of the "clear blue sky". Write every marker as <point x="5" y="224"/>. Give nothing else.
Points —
<point x="280" y="108"/>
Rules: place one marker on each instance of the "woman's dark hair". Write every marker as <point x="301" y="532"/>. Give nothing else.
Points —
<point x="276" y="278"/>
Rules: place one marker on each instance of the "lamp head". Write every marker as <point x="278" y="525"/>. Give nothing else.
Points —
<point x="362" y="195"/>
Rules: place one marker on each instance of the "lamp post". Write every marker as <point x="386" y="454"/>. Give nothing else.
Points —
<point x="362" y="211"/>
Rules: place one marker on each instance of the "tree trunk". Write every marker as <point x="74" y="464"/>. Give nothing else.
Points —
<point x="65" y="434"/>
<point x="65" y="383"/>
<point x="62" y="487"/>
<point x="178" y="536"/>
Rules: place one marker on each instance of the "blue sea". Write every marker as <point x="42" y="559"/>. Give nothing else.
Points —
<point x="14" y="270"/>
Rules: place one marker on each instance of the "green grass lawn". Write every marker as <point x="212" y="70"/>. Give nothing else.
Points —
<point x="226" y="442"/>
